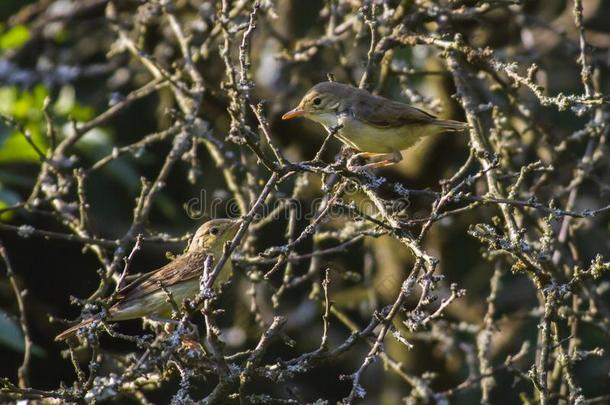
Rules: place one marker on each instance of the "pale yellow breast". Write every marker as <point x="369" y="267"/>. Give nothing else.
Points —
<point x="367" y="138"/>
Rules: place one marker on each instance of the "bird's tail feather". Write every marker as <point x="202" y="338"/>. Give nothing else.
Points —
<point x="72" y="330"/>
<point x="451" y="125"/>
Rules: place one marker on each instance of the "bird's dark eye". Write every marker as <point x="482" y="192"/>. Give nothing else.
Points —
<point x="214" y="231"/>
<point x="317" y="101"/>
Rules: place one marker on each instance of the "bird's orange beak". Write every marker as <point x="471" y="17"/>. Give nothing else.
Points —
<point x="295" y="112"/>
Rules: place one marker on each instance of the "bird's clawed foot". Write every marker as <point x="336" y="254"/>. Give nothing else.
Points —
<point x="170" y="325"/>
<point x="376" y="160"/>
<point x="162" y="320"/>
<point x="158" y="323"/>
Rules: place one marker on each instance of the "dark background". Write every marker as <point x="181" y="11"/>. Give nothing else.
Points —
<point x="52" y="270"/>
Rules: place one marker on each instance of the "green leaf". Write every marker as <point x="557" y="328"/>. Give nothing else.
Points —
<point x="23" y="105"/>
<point x="81" y="113"/>
<point x="67" y="105"/>
<point x="65" y="100"/>
<point x="15" y="37"/>
<point x="15" y="148"/>
<point x="8" y="95"/>
<point x="5" y="216"/>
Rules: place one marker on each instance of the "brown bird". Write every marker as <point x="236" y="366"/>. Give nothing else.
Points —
<point x="144" y="296"/>
<point x="377" y="127"/>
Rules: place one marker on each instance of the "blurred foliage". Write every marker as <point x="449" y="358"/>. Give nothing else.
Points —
<point x="69" y="54"/>
<point x="14" y="37"/>
<point x="26" y="107"/>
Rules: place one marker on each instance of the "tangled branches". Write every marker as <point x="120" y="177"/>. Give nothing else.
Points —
<point x="484" y="268"/>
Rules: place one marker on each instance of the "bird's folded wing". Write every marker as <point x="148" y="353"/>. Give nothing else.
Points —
<point x="181" y="269"/>
<point x="384" y="113"/>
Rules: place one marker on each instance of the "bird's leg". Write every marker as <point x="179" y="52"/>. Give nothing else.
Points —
<point x="169" y="324"/>
<point x="385" y="159"/>
<point x="157" y="323"/>
<point x="355" y="160"/>
<point x="375" y="160"/>
<point x="159" y="319"/>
